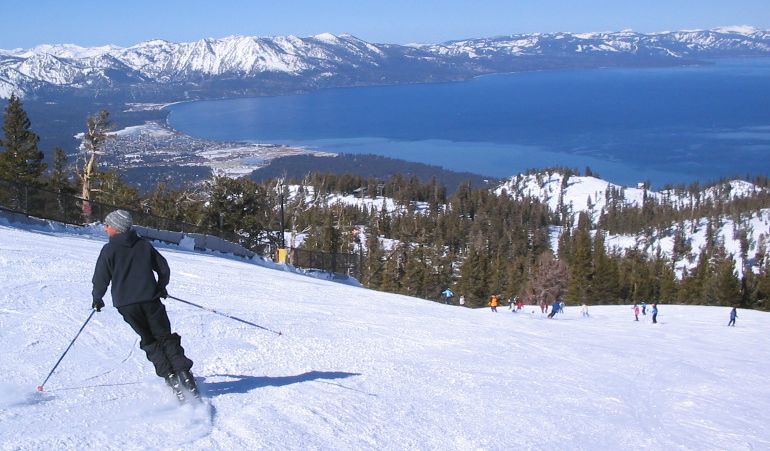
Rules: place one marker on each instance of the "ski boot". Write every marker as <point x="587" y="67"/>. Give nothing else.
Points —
<point x="173" y="381"/>
<point x="188" y="382"/>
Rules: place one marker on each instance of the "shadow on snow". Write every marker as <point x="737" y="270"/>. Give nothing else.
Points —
<point x="244" y="384"/>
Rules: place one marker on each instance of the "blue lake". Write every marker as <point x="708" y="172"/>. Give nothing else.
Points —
<point x="670" y="125"/>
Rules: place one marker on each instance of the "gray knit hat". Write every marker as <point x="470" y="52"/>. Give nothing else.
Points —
<point x="119" y="220"/>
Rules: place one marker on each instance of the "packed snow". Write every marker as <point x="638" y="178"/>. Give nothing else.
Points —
<point x="360" y="369"/>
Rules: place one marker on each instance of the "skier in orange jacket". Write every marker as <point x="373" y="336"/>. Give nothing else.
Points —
<point x="493" y="302"/>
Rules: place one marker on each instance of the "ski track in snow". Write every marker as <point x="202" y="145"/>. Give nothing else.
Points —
<point x="360" y="369"/>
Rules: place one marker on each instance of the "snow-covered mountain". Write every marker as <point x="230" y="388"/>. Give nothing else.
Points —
<point x="226" y="59"/>
<point x="357" y="369"/>
<point x="290" y="62"/>
<point x="719" y="42"/>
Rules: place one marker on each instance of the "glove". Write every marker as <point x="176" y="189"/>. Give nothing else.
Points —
<point x="163" y="293"/>
<point x="98" y="304"/>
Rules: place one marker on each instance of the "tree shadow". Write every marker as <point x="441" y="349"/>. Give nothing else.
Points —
<point x="244" y="384"/>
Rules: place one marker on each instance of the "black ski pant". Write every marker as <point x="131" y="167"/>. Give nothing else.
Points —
<point x="732" y="322"/>
<point x="163" y="349"/>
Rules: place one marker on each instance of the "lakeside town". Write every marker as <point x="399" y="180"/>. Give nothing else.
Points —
<point x="154" y="144"/>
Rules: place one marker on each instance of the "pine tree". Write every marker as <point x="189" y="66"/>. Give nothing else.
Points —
<point x="239" y="210"/>
<point x="474" y="279"/>
<point x="393" y="271"/>
<point x="565" y="245"/>
<point x="331" y="236"/>
<point x="416" y="274"/>
<point x="605" y="274"/>
<point x="162" y="202"/>
<point x="442" y="272"/>
<point x="581" y="270"/>
<point x="668" y="282"/>
<point x="373" y="261"/>
<point x="694" y="284"/>
<point x="112" y="190"/>
<point x="723" y="287"/>
<point x="59" y="181"/>
<point x="497" y="274"/>
<point x="763" y="286"/>
<point x="643" y="274"/>
<point x="516" y="275"/>
<point x="681" y="244"/>
<point x="20" y="160"/>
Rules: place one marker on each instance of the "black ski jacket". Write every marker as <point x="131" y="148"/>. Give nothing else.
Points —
<point x="127" y="261"/>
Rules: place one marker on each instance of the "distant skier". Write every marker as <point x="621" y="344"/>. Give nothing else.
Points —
<point x="654" y="313"/>
<point x="462" y="300"/>
<point x="447" y="295"/>
<point x="493" y="302"/>
<point x="128" y="262"/>
<point x="644" y="309"/>
<point x="635" y="308"/>
<point x="561" y="306"/>
<point x="554" y="308"/>
<point x="584" y="310"/>
<point x="543" y="307"/>
<point x="733" y="315"/>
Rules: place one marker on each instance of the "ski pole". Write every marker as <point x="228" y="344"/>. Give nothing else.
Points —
<point x="40" y="387"/>
<point x="224" y="314"/>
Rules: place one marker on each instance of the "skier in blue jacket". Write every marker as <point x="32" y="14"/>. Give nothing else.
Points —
<point x="447" y="295"/>
<point x="555" y="308"/>
<point x="733" y="315"/>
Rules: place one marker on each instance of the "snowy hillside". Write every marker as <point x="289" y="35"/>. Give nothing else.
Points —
<point x="359" y="369"/>
<point x="308" y="196"/>
<point x="590" y="194"/>
<point x="327" y="59"/>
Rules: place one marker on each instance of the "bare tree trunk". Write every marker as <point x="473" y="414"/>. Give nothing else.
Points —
<point x="97" y="127"/>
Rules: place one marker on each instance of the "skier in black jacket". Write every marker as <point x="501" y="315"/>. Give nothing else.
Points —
<point x="128" y="262"/>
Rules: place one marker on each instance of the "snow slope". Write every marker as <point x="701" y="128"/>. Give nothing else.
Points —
<point x="359" y="369"/>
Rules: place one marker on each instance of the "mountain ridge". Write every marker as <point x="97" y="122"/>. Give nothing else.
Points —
<point x="160" y="69"/>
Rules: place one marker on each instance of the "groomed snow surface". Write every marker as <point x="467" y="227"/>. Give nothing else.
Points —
<point x="359" y="369"/>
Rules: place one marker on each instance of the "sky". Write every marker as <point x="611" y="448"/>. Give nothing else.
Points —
<point x="124" y="23"/>
<point x="357" y="369"/>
